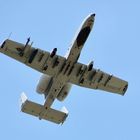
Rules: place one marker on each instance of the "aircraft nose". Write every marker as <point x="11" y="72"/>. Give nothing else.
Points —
<point x="93" y="15"/>
<point x="91" y="18"/>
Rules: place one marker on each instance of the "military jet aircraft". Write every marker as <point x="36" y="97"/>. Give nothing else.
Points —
<point x="59" y="73"/>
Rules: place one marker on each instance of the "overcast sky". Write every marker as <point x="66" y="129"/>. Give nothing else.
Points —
<point x="113" y="44"/>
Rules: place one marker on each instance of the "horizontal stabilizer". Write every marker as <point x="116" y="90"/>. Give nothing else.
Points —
<point x="35" y="109"/>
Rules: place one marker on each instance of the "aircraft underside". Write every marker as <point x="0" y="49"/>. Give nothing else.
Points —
<point x="59" y="73"/>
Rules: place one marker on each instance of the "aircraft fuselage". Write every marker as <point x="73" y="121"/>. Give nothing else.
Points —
<point x="63" y="77"/>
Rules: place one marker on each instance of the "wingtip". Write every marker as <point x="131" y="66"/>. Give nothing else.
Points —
<point x="125" y="89"/>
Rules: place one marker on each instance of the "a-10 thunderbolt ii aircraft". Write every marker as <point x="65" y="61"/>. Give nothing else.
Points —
<point x="59" y="73"/>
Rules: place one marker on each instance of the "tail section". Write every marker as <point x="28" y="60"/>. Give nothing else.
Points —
<point x="35" y="109"/>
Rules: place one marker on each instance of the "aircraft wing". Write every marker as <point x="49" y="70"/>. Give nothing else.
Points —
<point x="42" y="61"/>
<point x="97" y="79"/>
<point x="35" y="58"/>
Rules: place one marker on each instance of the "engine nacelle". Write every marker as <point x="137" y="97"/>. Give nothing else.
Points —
<point x="44" y="84"/>
<point x="64" y="92"/>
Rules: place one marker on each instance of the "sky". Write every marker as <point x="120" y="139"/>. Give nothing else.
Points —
<point x="113" y="45"/>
